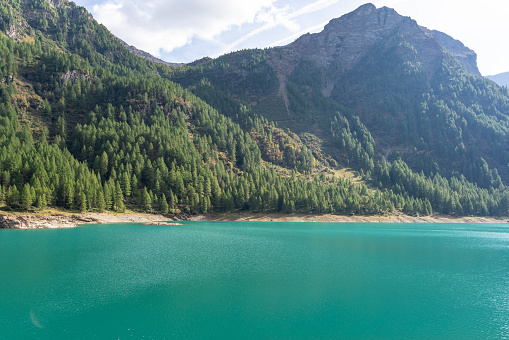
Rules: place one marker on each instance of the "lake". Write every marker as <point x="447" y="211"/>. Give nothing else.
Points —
<point x="256" y="280"/>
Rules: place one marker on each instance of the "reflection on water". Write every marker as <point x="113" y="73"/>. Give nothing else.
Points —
<point x="256" y="280"/>
<point x="35" y="320"/>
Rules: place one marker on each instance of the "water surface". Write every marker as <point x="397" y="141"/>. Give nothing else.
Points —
<point x="252" y="280"/>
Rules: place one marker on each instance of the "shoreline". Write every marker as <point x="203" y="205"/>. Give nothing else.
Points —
<point x="53" y="219"/>
<point x="58" y="219"/>
<point x="395" y="218"/>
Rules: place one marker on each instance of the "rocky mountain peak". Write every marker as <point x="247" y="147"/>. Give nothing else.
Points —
<point x="346" y="40"/>
<point x="370" y="15"/>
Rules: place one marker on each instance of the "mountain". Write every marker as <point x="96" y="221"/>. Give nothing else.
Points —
<point x="346" y="40"/>
<point x="371" y="116"/>
<point x="146" y="55"/>
<point x="373" y="86"/>
<point x="501" y="79"/>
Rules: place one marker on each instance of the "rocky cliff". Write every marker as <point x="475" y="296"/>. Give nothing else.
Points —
<point x="28" y="221"/>
<point x="346" y="40"/>
<point x="465" y="56"/>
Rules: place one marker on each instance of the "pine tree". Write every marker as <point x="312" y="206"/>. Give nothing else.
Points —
<point x="103" y="164"/>
<point x="82" y="202"/>
<point x="146" y="201"/>
<point x="108" y="196"/>
<point x="205" y="204"/>
<point x="61" y="124"/>
<point x="101" y="204"/>
<point x="163" y="204"/>
<point x="12" y="196"/>
<point x="26" y="197"/>
<point x="126" y="184"/>
<point x="118" y="198"/>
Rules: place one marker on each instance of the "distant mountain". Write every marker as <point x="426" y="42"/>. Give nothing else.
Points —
<point x="501" y="79"/>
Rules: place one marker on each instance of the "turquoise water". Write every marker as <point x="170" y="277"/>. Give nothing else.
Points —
<point x="256" y="280"/>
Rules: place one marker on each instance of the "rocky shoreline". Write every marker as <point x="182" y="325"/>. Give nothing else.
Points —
<point x="62" y="220"/>
<point x="51" y="220"/>
<point x="395" y="218"/>
<point x="43" y="221"/>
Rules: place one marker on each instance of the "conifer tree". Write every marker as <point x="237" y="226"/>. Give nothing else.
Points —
<point x="101" y="204"/>
<point x="2" y="194"/>
<point x="126" y="184"/>
<point x="146" y="200"/>
<point x="82" y="202"/>
<point x="163" y="204"/>
<point x="118" y="198"/>
<point x="108" y="196"/>
<point x="103" y="164"/>
<point x="26" y="197"/>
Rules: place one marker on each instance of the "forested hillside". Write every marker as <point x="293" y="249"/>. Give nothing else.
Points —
<point x="382" y="93"/>
<point x="88" y="126"/>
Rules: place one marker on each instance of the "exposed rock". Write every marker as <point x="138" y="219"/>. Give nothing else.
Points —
<point x="162" y="223"/>
<point x="74" y="75"/>
<point x="465" y="56"/>
<point x="13" y="32"/>
<point x="57" y="3"/>
<point x="11" y="222"/>
<point x="346" y="40"/>
<point x="183" y="217"/>
<point x="42" y="221"/>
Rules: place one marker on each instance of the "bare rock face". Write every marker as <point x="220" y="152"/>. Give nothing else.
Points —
<point x="466" y="57"/>
<point x="57" y="3"/>
<point x="11" y="222"/>
<point x="42" y="221"/>
<point x="346" y="40"/>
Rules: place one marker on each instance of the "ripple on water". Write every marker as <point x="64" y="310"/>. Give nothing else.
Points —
<point x="256" y="280"/>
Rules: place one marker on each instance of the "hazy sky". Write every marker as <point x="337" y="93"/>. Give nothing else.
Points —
<point x="186" y="30"/>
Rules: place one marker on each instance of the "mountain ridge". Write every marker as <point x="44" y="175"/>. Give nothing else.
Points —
<point x="501" y="79"/>
<point x="146" y="55"/>
<point x="345" y="40"/>
<point x="380" y="85"/>
<point x="386" y="16"/>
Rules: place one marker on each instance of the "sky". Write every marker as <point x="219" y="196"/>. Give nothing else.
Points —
<point x="187" y="30"/>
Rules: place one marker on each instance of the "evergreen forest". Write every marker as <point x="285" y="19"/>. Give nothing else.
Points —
<point x="85" y="125"/>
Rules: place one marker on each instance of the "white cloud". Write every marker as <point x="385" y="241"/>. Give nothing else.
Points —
<point x="281" y="17"/>
<point x="293" y="37"/>
<point x="215" y="27"/>
<point x="313" y="7"/>
<point x="161" y="25"/>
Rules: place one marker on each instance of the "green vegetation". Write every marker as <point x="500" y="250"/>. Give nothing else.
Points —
<point x="439" y="142"/>
<point x="110" y="132"/>
<point x="87" y="126"/>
